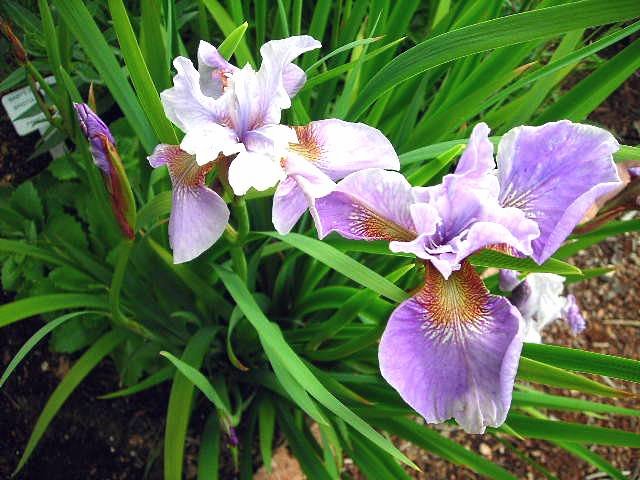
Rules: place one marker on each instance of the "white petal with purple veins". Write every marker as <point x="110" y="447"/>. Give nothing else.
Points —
<point x="339" y="148"/>
<point x="185" y="104"/>
<point x="214" y="70"/>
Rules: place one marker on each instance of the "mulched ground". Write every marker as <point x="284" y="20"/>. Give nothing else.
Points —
<point x="122" y="439"/>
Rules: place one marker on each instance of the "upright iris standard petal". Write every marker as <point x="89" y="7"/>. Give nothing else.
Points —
<point x="554" y="173"/>
<point x="281" y="77"/>
<point x="198" y="214"/>
<point x="214" y="70"/>
<point x="371" y="204"/>
<point x="470" y="219"/>
<point x="107" y="159"/>
<point x="187" y="106"/>
<point x="452" y="351"/>
<point x="325" y="151"/>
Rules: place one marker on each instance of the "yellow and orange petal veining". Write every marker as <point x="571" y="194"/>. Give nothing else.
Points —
<point x="308" y="145"/>
<point x="366" y="223"/>
<point x="454" y="307"/>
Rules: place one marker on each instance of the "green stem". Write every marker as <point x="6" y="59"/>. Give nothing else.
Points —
<point x="114" y="294"/>
<point x="237" y="237"/>
<point x="241" y="214"/>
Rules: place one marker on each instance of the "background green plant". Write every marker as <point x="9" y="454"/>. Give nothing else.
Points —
<point x="295" y="340"/>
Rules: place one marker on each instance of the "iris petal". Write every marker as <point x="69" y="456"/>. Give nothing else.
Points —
<point x="452" y="351"/>
<point x="198" y="214"/>
<point x="371" y="204"/>
<point x="554" y="173"/>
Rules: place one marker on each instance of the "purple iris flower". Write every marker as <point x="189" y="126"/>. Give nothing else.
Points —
<point x="452" y="349"/>
<point x="226" y="112"/>
<point x="539" y="300"/>
<point x="106" y="158"/>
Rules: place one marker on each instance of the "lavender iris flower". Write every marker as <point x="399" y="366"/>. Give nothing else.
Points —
<point x="539" y="300"/>
<point x="225" y="111"/>
<point x="452" y="349"/>
<point x="106" y="158"/>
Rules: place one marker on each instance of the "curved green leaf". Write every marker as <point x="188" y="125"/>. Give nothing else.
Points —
<point x="496" y="33"/>
<point x="80" y="369"/>
<point x="28" y="307"/>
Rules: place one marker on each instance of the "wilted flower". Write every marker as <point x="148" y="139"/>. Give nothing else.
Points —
<point x="106" y="158"/>
<point x="539" y="300"/>
<point x="452" y="349"/>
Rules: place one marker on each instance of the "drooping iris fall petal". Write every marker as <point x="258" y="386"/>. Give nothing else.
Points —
<point x="452" y="351"/>
<point x="198" y="214"/>
<point x="328" y="150"/>
<point x="107" y="159"/>
<point x="371" y="204"/>
<point x="555" y="173"/>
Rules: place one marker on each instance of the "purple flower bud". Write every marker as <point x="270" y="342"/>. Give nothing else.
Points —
<point x="106" y="158"/>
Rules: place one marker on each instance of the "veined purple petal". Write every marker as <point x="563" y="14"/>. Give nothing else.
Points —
<point x="452" y="351"/>
<point x="554" y="173"/>
<point x="470" y="219"/>
<point x="371" y="204"/>
<point x="198" y="214"/>
<point x="339" y="148"/>
<point x="214" y="70"/>
<point x="259" y="97"/>
<point x="95" y="130"/>
<point x="185" y="104"/>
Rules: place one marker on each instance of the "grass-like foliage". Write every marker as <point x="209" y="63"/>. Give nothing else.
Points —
<point x="276" y="332"/>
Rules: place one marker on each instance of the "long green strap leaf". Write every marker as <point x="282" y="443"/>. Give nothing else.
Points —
<point x="33" y="341"/>
<point x="179" y="408"/>
<point x="583" y="361"/>
<point x="152" y="380"/>
<point x="571" y="432"/>
<point x="271" y="335"/>
<point x="593" y="90"/>
<point x="79" y="21"/>
<point x="432" y="441"/>
<point x="557" y="402"/>
<point x="226" y="24"/>
<point x="496" y="33"/>
<point x="28" y="307"/>
<point x="538" y="372"/>
<point x="145" y="88"/>
<point x="80" y="369"/>
<point x="343" y="264"/>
